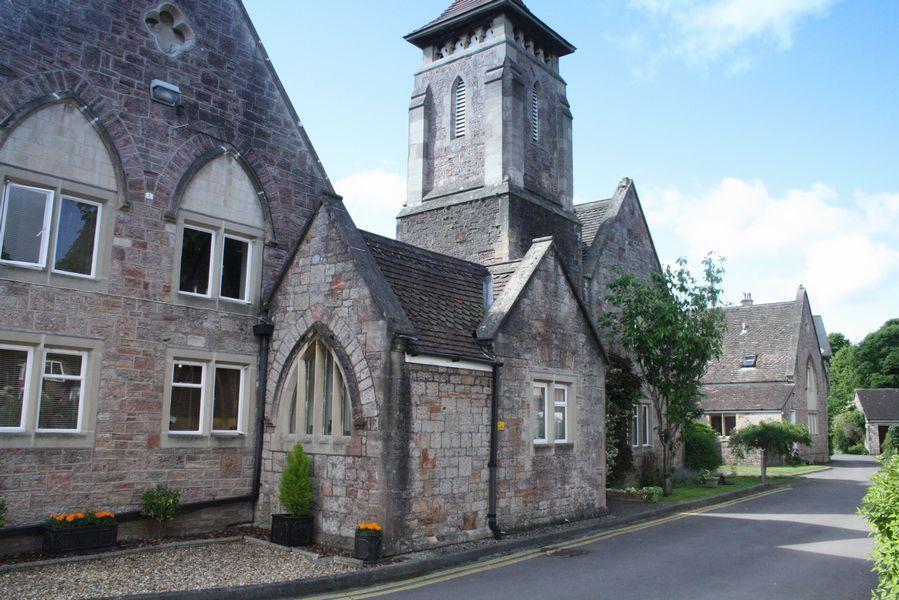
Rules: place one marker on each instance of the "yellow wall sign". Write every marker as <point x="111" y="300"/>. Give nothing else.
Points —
<point x="500" y="425"/>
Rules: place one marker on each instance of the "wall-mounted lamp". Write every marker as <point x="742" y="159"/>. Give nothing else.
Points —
<point x="165" y="93"/>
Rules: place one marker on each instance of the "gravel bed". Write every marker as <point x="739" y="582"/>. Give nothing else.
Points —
<point x="175" y="569"/>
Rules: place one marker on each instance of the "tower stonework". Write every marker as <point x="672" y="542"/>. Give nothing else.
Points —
<point x="490" y="153"/>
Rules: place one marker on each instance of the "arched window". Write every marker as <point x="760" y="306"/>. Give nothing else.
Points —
<point x="320" y="403"/>
<point x="535" y="112"/>
<point x="811" y="387"/>
<point x="459" y="123"/>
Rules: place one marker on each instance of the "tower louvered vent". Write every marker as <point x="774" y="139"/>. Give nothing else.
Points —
<point x="535" y="113"/>
<point x="459" y="109"/>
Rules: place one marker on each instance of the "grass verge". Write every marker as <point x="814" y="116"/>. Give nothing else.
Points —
<point x="685" y="493"/>
<point x="756" y="471"/>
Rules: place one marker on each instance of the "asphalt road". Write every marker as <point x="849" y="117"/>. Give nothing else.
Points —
<point x="805" y="542"/>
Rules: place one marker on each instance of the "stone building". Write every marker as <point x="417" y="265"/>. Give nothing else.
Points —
<point x="186" y="298"/>
<point x="772" y="368"/>
<point x="880" y="408"/>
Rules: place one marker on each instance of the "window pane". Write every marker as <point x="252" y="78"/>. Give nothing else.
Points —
<point x="292" y="424"/>
<point x="716" y="423"/>
<point x="23" y="227"/>
<point x="75" y="236"/>
<point x="310" y="390"/>
<point x="635" y="426"/>
<point x="647" y="425"/>
<point x="561" y="413"/>
<point x="326" y="394"/>
<point x="185" y="411"/>
<point x="539" y="413"/>
<point x="13" y="364"/>
<point x="187" y="374"/>
<point x="235" y="260"/>
<point x="226" y="399"/>
<point x="196" y="250"/>
<point x="346" y="409"/>
<point x="60" y="392"/>
<point x="730" y="423"/>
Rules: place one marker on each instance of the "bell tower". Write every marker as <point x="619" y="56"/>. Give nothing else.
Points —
<point x="490" y="159"/>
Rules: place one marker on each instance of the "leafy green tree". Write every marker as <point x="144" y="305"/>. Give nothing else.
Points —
<point x="162" y="505"/>
<point x="701" y="447"/>
<point x="890" y="443"/>
<point x="844" y="380"/>
<point x="622" y="393"/>
<point x="769" y="437"/>
<point x="837" y="341"/>
<point x="296" y="483"/>
<point x="881" y="507"/>
<point x="877" y="357"/>
<point x="847" y="430"/>
<point x="672" y="326"/>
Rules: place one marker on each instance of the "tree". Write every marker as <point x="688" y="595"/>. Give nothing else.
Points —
<point x="296" y="483"/>
<point x="877" y="357"/>
<point x="622" y="393"/>
<point x="847" y="430"/>
<point x="844" y="380"/>
<point x="837" y="341"/>
<point x="672" y="326"/>
<point x="769" y="437"/>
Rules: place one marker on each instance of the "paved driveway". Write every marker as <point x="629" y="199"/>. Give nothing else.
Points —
<point x="803" y="542"/>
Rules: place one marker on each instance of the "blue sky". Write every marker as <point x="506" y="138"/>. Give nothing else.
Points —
<point x="764" y="130"/>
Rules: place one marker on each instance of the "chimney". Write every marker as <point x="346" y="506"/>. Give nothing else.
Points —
<point x="747" y="299"/>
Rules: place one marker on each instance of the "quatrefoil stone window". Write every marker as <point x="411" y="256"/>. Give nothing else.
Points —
<point x="168" y="25"/>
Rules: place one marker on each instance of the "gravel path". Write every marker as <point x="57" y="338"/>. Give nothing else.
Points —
<point x="175" y="569"/>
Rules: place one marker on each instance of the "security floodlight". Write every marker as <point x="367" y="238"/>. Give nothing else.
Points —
<point x="165" y="93"/>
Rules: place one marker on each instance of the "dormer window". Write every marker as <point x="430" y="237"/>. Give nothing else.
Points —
<point x="459" y="123"/>
<point x="749" y="361"/>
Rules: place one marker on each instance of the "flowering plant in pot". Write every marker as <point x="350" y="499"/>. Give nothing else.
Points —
<point x="295" y="527"/>
<point x="80" y="532"/>
<point x="369" y="538"/>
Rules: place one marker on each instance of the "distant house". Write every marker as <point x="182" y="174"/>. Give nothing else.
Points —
<point x="881" y="409"/>
<point x="772" y="367"/>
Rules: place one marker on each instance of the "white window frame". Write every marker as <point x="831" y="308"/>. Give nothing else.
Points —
<point x="96" y="247"/>
<point x="646" y="421"/>
<point x="241" y="393"/>
<point x="26" y="392"/>
<point x="556" y="404"/>
<point x="80" y="378"/>
<point x="545" y="439"/>
<point x="635" y="427"/>
<point x="45" y="232"/>
<point x="247" y="276"/>
<point x="201" y="386"/>
<point x="210" y="282"/>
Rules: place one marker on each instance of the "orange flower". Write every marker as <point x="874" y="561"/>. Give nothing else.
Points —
<point x="70" y="518"/>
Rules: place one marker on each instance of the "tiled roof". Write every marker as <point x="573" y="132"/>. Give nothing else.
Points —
<point x="880" y="405"/>
<point x="441" y="295"/>
<point x="501" y="274"/>
<point x="592" y="215"/>
<point x="745" y="396"/>
<point x="460" y="7"/>
<point x="770" y="332"/>
<point x="821" y="333"/>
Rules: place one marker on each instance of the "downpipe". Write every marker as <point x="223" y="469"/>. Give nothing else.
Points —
<point x="494" y="443"/>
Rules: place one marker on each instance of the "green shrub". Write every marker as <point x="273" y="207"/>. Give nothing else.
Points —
<point x="160" y="504"/>
<point x="622" y="392"/>
<point x="2" y="511"/>
<point x="857" y="449"/>
<point x="776" y="438"/>
<point x="890" y="443"/>
<point x="647" y="494"/>
<point x="847" y="429"/>
<point x="701" y="447"/>
<point x="296" y="483"/>
<point x="881" y="507"/>
<point x="648" y="472"/>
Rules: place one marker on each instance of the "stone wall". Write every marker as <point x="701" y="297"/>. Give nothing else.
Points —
<point x="546" y="336"/>
<point x="323" y="293"/>
<point x="99" y="57"/>
<point x="448" y="455"/>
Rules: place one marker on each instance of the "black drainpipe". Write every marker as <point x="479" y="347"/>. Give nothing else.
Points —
<point x="494" y="443"/>
<point x="264" y="332"/>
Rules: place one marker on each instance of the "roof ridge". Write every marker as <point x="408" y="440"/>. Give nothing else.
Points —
<point x="591" y="203"/>
<point x="756" y="304"/>
<point x="445" y="257"/>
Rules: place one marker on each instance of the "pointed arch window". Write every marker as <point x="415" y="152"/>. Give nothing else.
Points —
<point x="811" y="398"/>
<point x="320" y="403"/>
<point x="459" y="125"/>
<point x="535" y="112"/>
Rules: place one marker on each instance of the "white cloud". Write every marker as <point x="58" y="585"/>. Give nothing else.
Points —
<point x="845" y="251"/>
<point x="705" y="31"/>
<point x="373" y="198"/>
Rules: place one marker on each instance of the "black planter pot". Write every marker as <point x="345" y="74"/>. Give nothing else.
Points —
<point x="71" y="540"/>
<point x="289" y="530"/>
<point x="368" y="546"/>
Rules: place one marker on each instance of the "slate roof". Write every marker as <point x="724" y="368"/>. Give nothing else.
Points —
<point x="821" y="333"/>
<point x="501" y="275"/>
<point x="441" y="295"/>
<point x="746" y="396"/>
<point x="880" y="404"/>
<point x="460" y="7"/>
<point x="592" y="215"/>
<point x="770" y="332"/>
